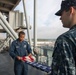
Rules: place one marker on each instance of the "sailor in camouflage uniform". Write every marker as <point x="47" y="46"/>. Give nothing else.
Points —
<point x="64" y="55"/>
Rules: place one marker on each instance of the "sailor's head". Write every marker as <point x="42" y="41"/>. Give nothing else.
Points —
<point x="67" y="12"/>
<point x="21" y="35"/>
<point x="65" y="5"/>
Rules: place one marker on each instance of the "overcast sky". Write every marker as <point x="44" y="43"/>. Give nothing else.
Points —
<point x="48" y="25"/>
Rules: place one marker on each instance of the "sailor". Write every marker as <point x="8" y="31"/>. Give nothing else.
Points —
<point x="64" y="55"/>
<point x="18" y="49"/>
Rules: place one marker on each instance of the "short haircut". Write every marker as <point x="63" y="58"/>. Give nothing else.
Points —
<point x="21" y="32"/>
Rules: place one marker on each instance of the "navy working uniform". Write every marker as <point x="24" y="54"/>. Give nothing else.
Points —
<point x="64" y="55"/>
<point x="21" y="49"/>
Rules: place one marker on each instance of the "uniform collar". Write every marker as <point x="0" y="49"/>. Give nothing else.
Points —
<point x="74" y="26"/>
<point x="17" y="41"/>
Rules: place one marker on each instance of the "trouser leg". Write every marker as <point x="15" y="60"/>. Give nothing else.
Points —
<point x="18" y="69"/>
<point x="25" y="69"/>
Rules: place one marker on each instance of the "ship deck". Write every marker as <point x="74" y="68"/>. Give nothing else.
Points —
<point x="6" y="64"/>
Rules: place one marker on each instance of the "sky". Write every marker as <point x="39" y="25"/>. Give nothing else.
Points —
<point x="48" y="24"/>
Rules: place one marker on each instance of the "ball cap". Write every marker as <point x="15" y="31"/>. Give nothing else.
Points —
<point x="65" y="5"/>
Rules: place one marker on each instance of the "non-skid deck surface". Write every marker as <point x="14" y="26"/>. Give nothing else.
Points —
<point x="6" y="64"/>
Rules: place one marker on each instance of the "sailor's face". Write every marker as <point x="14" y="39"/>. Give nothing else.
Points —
<point x="65" y="19"/>
<point x="21" y="37"/>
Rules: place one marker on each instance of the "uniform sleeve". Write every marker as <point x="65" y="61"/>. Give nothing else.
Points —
<point x="12" y="51"/>
<point x="63" y="61"/>
<point x="29" y="50"/>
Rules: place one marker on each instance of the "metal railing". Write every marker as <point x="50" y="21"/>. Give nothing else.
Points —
<point x="5" y="44"/>
<point x="44" y="55"/>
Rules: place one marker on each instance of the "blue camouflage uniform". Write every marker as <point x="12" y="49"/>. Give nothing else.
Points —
<point x="64" y="55"/>
<point x="21" y="49"/>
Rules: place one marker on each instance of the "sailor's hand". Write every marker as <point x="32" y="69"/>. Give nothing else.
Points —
<point x="19" y="58"/>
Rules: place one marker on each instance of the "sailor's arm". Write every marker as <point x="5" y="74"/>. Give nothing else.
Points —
<point x="29" y="50"/>
<point x="63" y="61"/>
<point x="12" y="51"/>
